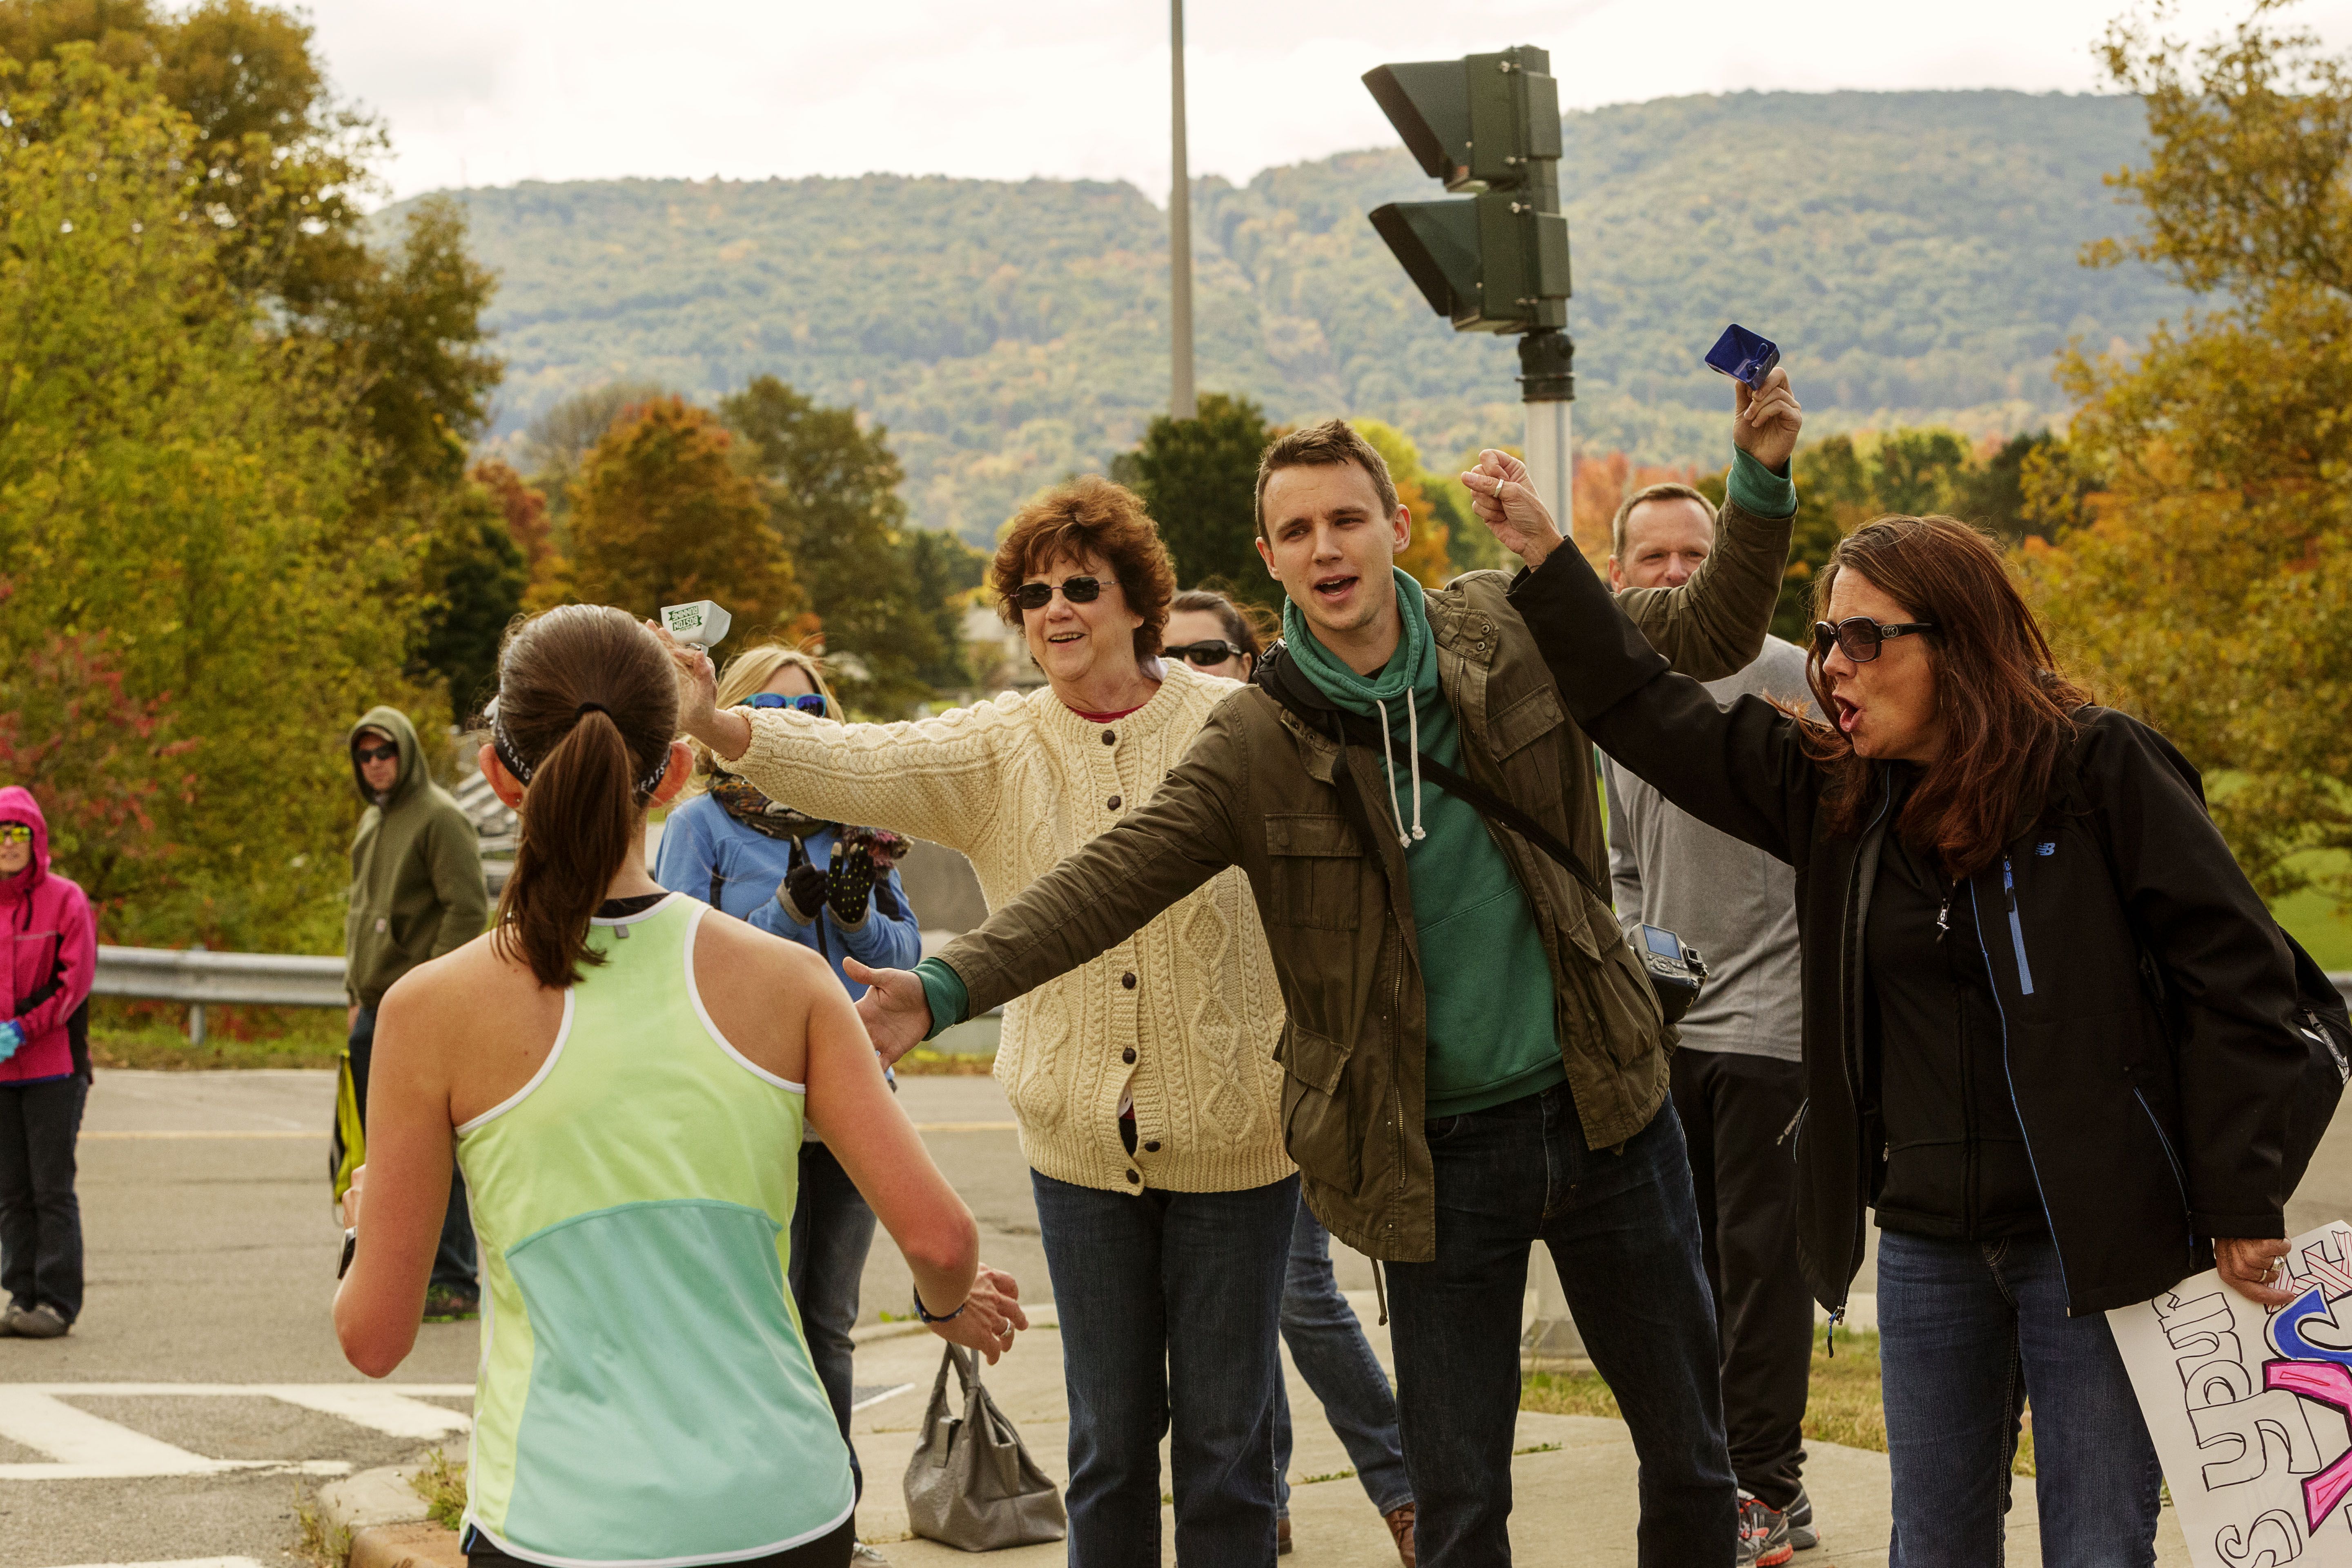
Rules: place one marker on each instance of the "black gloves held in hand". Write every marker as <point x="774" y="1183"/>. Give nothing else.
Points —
<point x="846" y="886"/>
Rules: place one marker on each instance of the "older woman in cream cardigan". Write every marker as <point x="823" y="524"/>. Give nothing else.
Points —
<point x="1143" y="1082"/>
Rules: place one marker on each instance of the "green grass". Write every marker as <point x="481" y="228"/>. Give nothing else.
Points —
<point x="1844" y="1406"/>
<point x="153" y="1036"/>
<point x="443" y="1487"/>
<point x="2315" y="918"/>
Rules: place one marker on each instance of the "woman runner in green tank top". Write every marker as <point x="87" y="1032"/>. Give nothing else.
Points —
<point x="624" y="1076"/>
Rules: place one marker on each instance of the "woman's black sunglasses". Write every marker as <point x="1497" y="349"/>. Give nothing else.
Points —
<point x="1077" y="590"/>
<point x="1209" y="651"/>
<point x="1859" y="637"/>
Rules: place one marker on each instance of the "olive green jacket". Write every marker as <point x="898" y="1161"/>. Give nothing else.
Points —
<point x="417" y="890"/>
<point x="1255" y="790"/>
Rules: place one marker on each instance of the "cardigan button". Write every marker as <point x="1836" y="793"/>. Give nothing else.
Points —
<point x="1152" y="1147"/>
<point x="1110" y="737"/>
<point x="1127" y="1055"/>
<point x="1133" y="1177"/>
<point x="1127" y="979"/>
<point x="1114" y="803"/>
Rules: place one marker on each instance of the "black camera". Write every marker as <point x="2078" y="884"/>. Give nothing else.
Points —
<point x="1676" y="973"/>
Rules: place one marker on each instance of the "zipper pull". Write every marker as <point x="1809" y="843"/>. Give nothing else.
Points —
<point x="1944" y="915"/>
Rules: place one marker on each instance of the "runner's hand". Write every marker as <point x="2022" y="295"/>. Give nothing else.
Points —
<point x="894" y="1009"/>
<point x="729" y="733"/>
<point x="2251" y="1267"/>
<point x="1499" y="494"/>
<point x="990" y="1317"/>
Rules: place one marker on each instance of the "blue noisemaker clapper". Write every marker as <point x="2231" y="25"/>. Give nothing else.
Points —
<point x="1743" y="356"/>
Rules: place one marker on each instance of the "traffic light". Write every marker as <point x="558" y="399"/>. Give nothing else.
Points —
<point x="1496" y="260"/>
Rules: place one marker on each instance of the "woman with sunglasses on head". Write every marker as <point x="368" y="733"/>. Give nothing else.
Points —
<point x="1143" y="1082"/>
<point x="1214" y="635"/>
<point x="831" y="888"/>
<point x="625" y="1075"/>
<point x="1985" y="864"/>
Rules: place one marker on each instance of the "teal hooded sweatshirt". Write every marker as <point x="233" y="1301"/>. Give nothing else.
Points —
<point x="1485" y="972"/>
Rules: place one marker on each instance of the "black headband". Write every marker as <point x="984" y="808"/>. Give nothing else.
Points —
<point x="522" y="770"/>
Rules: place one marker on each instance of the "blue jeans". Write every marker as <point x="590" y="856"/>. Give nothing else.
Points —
<point x="1170" y="1304"/>
<point x="1969" y="1331"/>
<point x="1623" y="1230"/>
<point x="454" y="1266"/>
<point x="1333" y="1356"/>
<point x="832" y="1231"/>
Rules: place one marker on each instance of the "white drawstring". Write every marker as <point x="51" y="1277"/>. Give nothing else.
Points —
<point x="1388" y="760"/>
<point x="1413" y="718"/>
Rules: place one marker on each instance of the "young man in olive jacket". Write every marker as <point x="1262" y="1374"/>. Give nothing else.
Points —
<point x="417" y="891"/>
<point x="1476" y="1061"/>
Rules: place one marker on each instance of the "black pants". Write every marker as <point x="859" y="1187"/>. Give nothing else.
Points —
<point x="1733" y="1110"/>
<point x="833" y="1230"/>
<point x="829" y="1550"/>
<point x="454" y="1264"/>
<point x="40" y="1218"/>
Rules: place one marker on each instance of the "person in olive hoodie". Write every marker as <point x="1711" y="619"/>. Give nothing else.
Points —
<point x="417" y="892"/>
<point x="46" y="968"/>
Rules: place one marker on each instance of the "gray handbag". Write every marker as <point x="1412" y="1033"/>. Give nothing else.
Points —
<point x="971" y="1483"/>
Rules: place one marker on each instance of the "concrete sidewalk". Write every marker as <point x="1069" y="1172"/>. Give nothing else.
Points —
<point x="1573" y="1482"/>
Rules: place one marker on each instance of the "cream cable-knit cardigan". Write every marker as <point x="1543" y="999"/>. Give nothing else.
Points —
<point x="1016" y="783"/>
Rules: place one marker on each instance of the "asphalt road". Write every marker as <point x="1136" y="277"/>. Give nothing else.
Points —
<point x="212" y="1255"/>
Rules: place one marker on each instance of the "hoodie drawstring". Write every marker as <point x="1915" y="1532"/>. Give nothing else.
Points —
<point x="1388" y="760"/>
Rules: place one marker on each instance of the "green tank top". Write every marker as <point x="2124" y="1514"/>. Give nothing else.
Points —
<point x="645" y="1393"/>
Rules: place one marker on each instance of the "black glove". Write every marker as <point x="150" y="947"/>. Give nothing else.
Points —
<point x="848" y="884"/>
<point x="802" y="893"/>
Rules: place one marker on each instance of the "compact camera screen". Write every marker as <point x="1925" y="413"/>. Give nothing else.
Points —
<point x="1664" y="944"/>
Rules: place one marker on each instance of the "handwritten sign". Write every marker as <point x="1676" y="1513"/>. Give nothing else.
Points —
<point x="2251" y="1410"/>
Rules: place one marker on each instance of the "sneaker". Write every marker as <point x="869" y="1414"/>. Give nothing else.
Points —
<point x="1800" y="1514"/>
<point x="449" y="1304"/>
<point x="865" y="1556"/>
<point x="1763" y="1534"/>
<point x="1400" y="1525"/>
<point x="43" y="1322"/>
<point x="1282" y="1536"/>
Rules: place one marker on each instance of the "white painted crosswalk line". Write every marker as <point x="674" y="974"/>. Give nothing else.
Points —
<point x="385" y="1410"/>
<point x="84" y="1447"/>
<point x="80" y="1440"/>
<point x="180" y="1563"/>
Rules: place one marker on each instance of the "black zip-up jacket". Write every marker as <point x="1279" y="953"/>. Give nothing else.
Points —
<point x="2145" y="1142"/>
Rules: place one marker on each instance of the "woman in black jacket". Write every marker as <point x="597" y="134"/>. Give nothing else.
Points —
<point x="1982" y="863"/>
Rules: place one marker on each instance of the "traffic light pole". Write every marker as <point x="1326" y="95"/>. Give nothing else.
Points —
<point x="1548" y="386"/>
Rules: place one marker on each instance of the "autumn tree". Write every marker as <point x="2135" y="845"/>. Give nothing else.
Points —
<point x="478" y="576"/>
<point x="665" y="511"/>
<point x="1423" y="558"/>
<point x="832" y="499"/>
<point x="2210" y="589"/>
<point x="1198" y="478"/>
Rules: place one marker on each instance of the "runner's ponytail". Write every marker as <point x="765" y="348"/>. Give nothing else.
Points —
<point x="586" y="709"/>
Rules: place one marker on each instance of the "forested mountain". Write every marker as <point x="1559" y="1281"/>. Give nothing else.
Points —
<point x="1913" y="254"/>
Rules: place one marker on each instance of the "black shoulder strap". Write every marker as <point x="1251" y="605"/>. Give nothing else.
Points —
<point x="1289" y="686"/>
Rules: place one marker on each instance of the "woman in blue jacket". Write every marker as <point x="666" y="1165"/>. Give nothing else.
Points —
<point x="829" y="887"/>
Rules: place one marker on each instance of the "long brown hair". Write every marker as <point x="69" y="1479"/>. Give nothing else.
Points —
<point x="587" y="703"/>
<point x="2008" y="714"/>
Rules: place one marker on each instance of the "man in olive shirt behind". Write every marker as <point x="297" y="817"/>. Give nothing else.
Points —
<point x="1473" y="1059"/>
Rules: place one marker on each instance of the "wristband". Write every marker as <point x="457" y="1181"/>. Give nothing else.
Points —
<point x="923" y="1314"/>
<point x="350" y="1245"/>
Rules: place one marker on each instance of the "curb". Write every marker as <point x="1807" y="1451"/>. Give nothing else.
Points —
<point x="385" y="1517"/>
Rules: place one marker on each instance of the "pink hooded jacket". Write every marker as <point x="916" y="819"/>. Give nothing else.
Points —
<point x="50" y="952"/>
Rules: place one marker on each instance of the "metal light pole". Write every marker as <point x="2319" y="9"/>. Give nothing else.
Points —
<point x="1182" y="405"/>
<point x="1547" y="385"/>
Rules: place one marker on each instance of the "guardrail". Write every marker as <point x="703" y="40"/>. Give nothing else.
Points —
<point x="286" y="980"/>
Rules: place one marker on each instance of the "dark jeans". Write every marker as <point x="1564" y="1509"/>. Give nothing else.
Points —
<point x="1623" y="1232"/>
<point x="1968" y="1332"/>
<point x="1337" y="1360"/>
<point x="40" y="1218"/>
<point x="454" y="1264"/>
<point x="1170" y="1304"/>
<point x="1735" y="1111"/>
<point x="832" y="1230"/>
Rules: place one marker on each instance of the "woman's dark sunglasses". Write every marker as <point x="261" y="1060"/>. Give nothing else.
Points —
<point x="1212" y="650"/>
<point x="1859" y="637"/>
<point x="808" y="702"/>
<point x="375" y="754"/>
<point x="1077" y="590"/>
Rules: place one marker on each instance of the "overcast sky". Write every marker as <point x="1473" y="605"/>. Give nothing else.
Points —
<point x="568" y="89"/>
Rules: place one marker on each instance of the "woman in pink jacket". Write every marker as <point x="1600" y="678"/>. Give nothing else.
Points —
<point x="46" y="966"/>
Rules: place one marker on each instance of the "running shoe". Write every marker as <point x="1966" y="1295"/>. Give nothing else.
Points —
<point x="865" y="1556"/>
<point x="1800" y="1513"/>
<point x="43" y="1322"/>
<point x="1763" y="1534"/>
